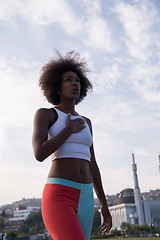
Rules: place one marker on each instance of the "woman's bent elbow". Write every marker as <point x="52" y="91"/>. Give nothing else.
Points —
<point x="39" y="157"/>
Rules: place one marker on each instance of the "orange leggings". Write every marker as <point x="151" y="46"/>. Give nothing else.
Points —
<point x="68" y="209"/>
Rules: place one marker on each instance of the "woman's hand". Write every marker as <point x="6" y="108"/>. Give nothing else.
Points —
<point x="75" y="125"/>
<point x="107" y="220"/>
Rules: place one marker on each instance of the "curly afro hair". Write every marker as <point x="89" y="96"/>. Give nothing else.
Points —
<point x="51" y="75"/>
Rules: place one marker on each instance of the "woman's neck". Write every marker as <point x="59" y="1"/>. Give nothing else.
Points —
<point x="67" y="108"/>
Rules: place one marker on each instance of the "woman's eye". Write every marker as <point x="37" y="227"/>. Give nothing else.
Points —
<point x="70" y="79"/>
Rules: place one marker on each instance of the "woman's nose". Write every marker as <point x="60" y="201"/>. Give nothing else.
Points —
<point x="74" y="82"/>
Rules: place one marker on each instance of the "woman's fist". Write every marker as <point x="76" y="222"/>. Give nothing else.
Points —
<point x="75" y="125"/>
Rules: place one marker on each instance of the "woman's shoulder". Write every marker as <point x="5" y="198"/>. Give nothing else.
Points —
<point x="88" y="122"/>
<point x="87" y="119"/>
<point x="48" y="114"/>
<point x="44" y="111"/>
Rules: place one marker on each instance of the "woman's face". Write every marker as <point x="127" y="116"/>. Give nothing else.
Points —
<point x="70" y="86"/>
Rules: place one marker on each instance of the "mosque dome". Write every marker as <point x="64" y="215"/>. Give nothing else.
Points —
<point x="126" y="196"/>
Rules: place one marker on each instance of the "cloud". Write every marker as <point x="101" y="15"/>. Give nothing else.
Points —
<point x="20" y="98"/>
<point x="9" y="9"/>
<point x="106" y="79"/>
<point x="38" y="12"/>
<point x="137" y="20"/>
<point x="22" y="183"/>
<point x="98" y="34"/>
<point x="17" y="86"/>
<point x="92" y="7"/>
<point x="145" y="80"/>
<point x="91" y="28"/>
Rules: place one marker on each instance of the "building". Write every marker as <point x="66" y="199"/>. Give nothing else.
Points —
<point x="21" y="214"/>
<point x="131" y="208"/>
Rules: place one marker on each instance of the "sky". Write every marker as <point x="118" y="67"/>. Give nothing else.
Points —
<point x="120" y="41"/>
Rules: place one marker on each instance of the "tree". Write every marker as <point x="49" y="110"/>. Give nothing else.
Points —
<point x="136" y="229"/>
<point x="152" y="229"/>
<point x="1" y="221"/>
<point x="3" y="213"/>
<point x="115" y="233"/>
<point x="96" y="223"/>
<point x="24" y="229"/>
<point x="126" y="228"/>
<point x="33" y="225"/>
<point x="11" y="234"/>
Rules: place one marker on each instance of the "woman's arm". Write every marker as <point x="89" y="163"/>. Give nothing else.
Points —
<point x="44" y="147"/>
<point x="97" y="185"/>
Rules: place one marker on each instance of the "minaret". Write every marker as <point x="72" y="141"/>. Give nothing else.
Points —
<point x="137" y="194"/>
<point x="159" y="163"/>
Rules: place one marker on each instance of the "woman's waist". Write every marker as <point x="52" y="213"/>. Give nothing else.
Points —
<point x="72" y="169"/>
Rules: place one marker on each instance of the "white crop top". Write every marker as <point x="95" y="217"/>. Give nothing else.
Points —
<point x="77" y="145"/>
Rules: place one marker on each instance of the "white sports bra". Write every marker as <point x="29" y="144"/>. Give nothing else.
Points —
<point x="77" y="145"/>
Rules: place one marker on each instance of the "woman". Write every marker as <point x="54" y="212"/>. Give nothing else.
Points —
<point x="66" y="136"/>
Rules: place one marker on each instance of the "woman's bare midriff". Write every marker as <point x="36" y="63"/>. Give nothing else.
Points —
<point x="73" y="169"/>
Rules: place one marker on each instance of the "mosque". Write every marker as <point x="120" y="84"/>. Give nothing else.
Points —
<point x="131" y="208"/>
